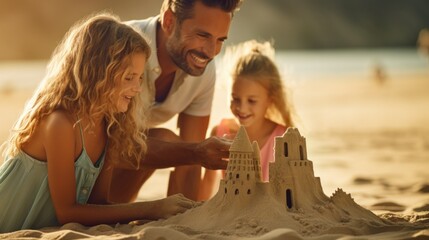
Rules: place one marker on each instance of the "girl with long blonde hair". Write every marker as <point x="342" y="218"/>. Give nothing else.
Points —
<point x="87" y="114"/>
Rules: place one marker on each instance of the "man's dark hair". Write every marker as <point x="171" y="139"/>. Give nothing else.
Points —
<point x="184" y="9"/>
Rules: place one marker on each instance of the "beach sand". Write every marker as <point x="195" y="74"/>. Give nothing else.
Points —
<point x="367" y="138"/>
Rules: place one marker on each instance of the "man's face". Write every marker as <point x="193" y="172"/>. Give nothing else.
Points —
<point x="194" y="43"/>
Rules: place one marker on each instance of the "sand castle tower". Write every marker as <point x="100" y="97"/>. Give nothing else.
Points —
<point x="244" y="168"/>
<point x="291" y="175"/>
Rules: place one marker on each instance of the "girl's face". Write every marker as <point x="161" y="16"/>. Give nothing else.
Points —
<point x="130" y="84"/>
<point x="249" y="101"/>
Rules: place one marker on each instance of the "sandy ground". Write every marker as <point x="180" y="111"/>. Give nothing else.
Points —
<point x="370" y="139"/>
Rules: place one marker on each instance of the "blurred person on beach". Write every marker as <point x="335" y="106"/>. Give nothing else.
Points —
<point x="423" y="42"/>
<point x="379" y="74"/>
<point x="180" y="79"/>
<point x="85" y="118"/>
<point x="258" y="102"/>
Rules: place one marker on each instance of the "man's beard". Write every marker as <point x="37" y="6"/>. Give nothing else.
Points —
<point x="176" y="52"/>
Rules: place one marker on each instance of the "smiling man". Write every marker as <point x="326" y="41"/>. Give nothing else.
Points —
<point x="179" y="79"/>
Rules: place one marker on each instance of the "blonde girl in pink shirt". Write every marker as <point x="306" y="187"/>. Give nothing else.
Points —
<point x="258" y="102"/>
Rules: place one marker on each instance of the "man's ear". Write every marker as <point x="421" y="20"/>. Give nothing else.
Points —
<point x="168" y="22"/>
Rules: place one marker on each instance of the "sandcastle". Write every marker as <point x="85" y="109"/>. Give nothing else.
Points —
<point x="291" y="177"/>
<point x="293" y="198"/>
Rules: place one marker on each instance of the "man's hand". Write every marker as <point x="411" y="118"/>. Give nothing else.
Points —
<point x="213" y="152"/>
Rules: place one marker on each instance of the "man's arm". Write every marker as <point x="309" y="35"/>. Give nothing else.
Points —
<point x="160" y="154"/>
<point x="187" y="179"/>
<point x="208" y="153"/>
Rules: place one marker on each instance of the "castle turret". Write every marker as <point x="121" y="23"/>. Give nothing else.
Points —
<point x="244" y="166"/>
<point x="291" y="175"/>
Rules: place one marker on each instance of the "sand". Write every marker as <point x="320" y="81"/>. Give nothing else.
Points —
<point x="369" y="139"/>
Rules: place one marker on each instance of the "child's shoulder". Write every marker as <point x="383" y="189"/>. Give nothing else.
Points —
<point x="58" y="119"/>
<point x="54" y="129"/>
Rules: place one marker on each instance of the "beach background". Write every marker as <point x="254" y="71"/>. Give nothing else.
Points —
<point x="364" y="113"/>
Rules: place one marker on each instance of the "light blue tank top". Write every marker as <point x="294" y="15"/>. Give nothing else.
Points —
<point x="25" y="201"/>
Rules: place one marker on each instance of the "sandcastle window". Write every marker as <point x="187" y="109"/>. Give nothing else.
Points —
<point x="230" y="175"/>
<point x="301" y="152"/>
<point x="248" y="191"/>
<point x="248" y="176"/>
<point x="236" y="191"/>
<point x="225" y="191"/>
<point x="289" y="198"/>
<point x="237" y="176"/>
<point x="286" y="150"/>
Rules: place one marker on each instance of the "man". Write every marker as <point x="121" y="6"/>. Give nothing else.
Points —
<point x="179" y="78"/>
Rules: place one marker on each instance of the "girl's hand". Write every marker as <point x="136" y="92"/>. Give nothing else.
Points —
<point x="174" y="204"/>
<point x="230" y="136"/>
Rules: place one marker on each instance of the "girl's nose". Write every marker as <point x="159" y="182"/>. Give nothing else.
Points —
<point x="137" y="88"/>
<point x="241" y="107"/>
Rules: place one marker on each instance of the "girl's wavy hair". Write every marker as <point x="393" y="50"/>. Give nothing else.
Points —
<point x="82" y="78"/>
<point x="256" y="60"/>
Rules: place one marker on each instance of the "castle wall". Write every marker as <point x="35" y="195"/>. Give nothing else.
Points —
<point x="242" y="173"/>
<point x="308" y="188"/>
<point x="291" y="175"/>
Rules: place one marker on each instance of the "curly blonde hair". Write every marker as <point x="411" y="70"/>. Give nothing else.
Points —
<point x="255" y="60"/>
<point x="80" y="80"/>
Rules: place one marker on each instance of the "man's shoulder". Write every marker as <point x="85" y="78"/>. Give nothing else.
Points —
<point x="143" y="24"/>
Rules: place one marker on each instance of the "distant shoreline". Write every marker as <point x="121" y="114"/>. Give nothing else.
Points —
<point x="298" y="65"/>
